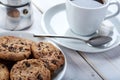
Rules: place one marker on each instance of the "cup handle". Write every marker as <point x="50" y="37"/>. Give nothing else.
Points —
<point x="116" y="13"/>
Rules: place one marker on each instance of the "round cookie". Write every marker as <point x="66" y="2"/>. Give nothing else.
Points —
<point x="14" y="48"/>
<point x="31" y="69"/>
<point x="49" y="54"/>
<point x="4" y="73"/>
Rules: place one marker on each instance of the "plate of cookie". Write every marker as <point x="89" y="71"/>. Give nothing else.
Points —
<point x="23" y="57"/>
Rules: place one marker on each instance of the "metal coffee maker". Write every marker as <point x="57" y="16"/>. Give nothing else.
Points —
<point x="15" y="14"/>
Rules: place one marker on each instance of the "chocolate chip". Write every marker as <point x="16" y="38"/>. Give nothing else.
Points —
<point x="3" y="66"/>
<point x="22" y="43"/>
<point x="4" y="45"/>
<point x="27" y="49"/>
<point x="25" y="56"/>
<point x="27" y="64"/>
<point x="39" y="48"/>
<point x="46" y="64"/>
<point x="11" y="49"/>
<point x="54" y="61"/>
<point x="61" y="65"/>
<point x="39" y="77"/>
<point x="21" y="48"/>
<point x="47" y="46"/>
<point x="58" y="57"/>
<point x="20" y="78"/>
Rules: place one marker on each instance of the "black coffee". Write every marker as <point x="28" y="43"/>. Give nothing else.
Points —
<point x="88" y="3"/>
<point x="100" y="1"/>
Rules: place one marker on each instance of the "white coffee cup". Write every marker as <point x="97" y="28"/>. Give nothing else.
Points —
<point x="86" y="20"/>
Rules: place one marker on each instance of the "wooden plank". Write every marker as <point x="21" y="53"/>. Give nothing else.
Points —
<point x="107" y="64"/>
<point x="77" y="68"/>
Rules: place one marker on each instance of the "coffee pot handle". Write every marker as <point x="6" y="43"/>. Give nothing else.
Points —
<point x="116" y="13"/>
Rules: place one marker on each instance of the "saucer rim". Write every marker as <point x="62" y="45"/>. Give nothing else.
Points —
<point x="116" y="43"/>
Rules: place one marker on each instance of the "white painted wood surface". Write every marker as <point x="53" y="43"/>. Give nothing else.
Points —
<point x="77" y="68"/>
<point x="106" y="64"/>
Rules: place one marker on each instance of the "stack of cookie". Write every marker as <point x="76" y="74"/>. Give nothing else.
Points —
<point x="22" y="59"/>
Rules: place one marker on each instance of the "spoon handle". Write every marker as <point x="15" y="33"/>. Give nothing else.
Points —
<point x="59" y="36"/>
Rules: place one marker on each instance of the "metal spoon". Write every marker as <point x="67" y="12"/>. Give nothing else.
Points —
<point x="93" y="41"/>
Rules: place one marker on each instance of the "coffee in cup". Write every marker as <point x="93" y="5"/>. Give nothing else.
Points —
<point x="100" y="1"/>
<point x="88" y="3"/>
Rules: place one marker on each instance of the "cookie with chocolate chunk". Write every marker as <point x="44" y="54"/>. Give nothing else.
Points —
<point x="14" y="48"/>
<point x="4" y="73"/>
<point x="31" y="69"/>
<point x="49" y="54"/>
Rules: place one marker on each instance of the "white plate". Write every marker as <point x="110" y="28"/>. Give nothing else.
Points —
<point x="54" y="22"/>
<point x="59" y="74"/>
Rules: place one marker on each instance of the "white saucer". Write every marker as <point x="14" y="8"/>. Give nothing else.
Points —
<point x="54" y="22"/>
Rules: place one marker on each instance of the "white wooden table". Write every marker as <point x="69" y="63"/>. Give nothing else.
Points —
<point x="87" y="66"/>
<point x="80" y="65"/>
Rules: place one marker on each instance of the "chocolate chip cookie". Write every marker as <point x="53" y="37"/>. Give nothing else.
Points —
<point x="4" y="73"/>
<point x="14" y="48"/>
<point x="31" y="69"/>
<point x="49" y="54"/>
